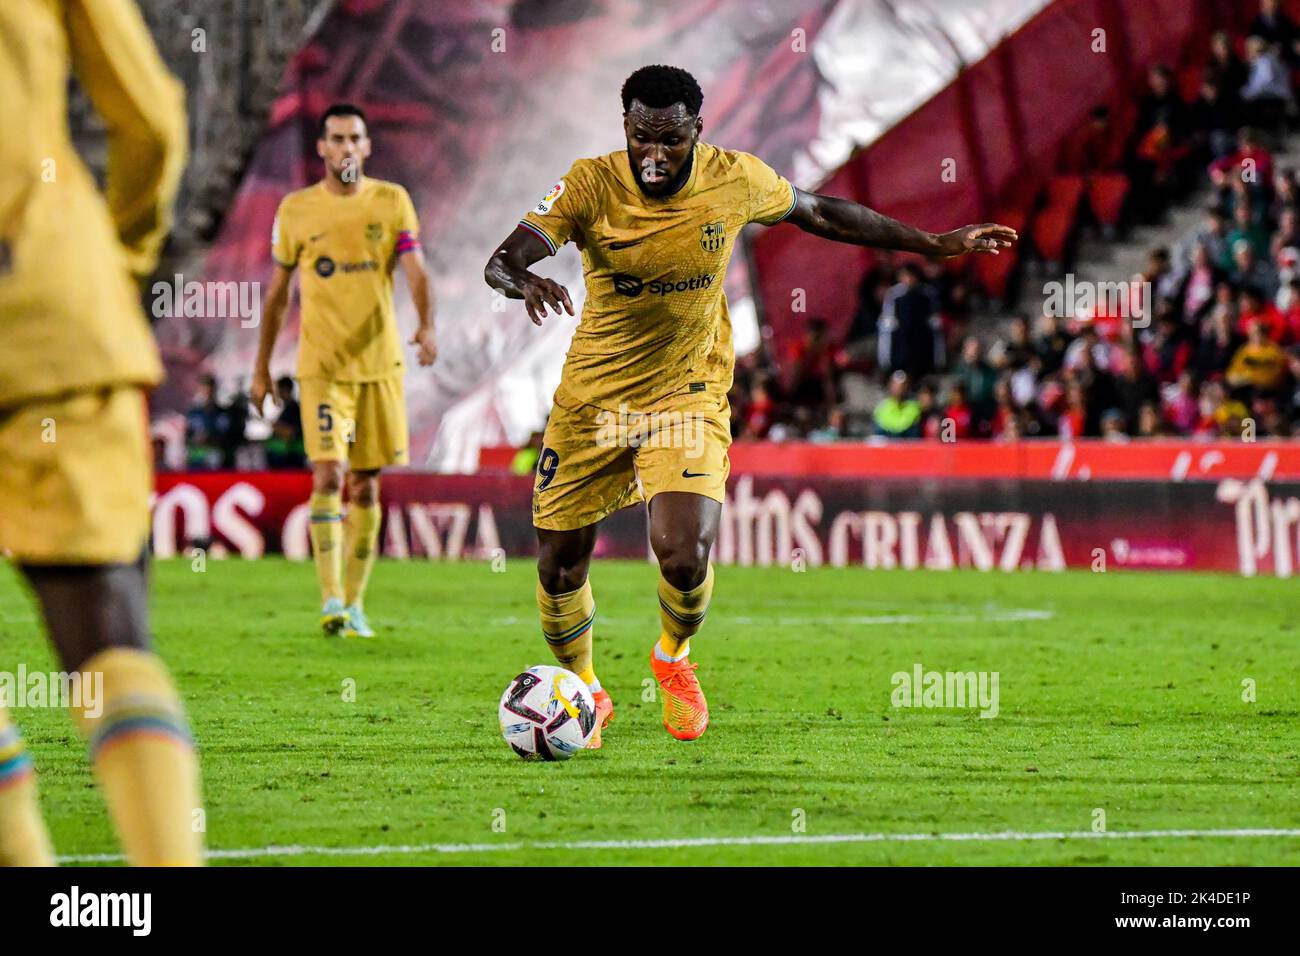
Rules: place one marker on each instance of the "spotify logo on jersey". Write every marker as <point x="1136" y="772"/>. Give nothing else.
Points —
<point x="324" y="267"/>
<point x="631" y="286"/>
<point x="627" y="285"/>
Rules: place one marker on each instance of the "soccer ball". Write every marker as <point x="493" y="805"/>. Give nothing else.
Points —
<point x="547" y="712"/>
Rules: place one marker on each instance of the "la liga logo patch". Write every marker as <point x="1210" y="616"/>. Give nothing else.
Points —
<point x="543" y="207"/>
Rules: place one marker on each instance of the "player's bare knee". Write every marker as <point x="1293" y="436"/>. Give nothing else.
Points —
<point x="685" y="566"/>
<point x="327" y="477"/>
<point x="363" y="488"/>
<point x="560" y="577"/>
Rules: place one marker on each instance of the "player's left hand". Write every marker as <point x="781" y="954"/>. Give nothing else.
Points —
<point x="426" y="346"/>
<point x="985" y="237"/>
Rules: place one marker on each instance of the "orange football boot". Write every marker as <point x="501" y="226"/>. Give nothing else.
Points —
<point x="604" y="714"/>
<point x="686" y="712"/>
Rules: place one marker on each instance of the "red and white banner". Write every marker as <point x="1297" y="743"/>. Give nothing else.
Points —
<point x="1245" y="525"/>
<point x="1041" y="460"/>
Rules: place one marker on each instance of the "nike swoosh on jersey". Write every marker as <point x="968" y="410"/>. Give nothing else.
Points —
<point x="687" y="473"/>
<point x="623" y="245"/>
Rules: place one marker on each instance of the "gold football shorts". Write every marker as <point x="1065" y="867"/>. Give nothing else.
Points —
<point x="75" y="475"/>
<point x="595" y="461"/>
<point x="362" y="423"/>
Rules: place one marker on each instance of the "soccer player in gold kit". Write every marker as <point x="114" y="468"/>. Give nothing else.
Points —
<point x="641" y="410"/>
<point x="76" y="357"/>
<point x="347" y="231"/>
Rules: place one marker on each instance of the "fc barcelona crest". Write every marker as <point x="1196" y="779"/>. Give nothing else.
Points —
<point x="713" y="236"/>
<point x="374" y="231"/>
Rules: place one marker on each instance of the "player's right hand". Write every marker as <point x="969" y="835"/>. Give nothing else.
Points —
<point x="260" y="388"/>
<point x="540" y="293"/>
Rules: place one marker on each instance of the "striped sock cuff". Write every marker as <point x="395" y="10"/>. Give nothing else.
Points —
<point x="141" y="715"/>
<point x="15" y="762"/>
<point x="690" y="620"/>
<point x="573" y="633"/>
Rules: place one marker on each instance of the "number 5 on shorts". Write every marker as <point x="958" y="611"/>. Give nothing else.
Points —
<point x="324" y="420"/>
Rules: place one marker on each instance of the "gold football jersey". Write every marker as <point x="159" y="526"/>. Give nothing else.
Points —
<point x="70" y="313"/>
<point x="654" y="332"/>
<point x="347" y="247"/>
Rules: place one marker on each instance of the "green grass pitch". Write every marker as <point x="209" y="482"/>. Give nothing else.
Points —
<point x="1118" y="692"/>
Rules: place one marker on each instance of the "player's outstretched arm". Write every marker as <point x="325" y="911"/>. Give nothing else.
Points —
<point x="507" y="272"/>
<point x="273" y="309"/>
<point x="846" y="221"/>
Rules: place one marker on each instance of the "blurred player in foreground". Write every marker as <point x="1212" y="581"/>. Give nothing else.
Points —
<point x="641" y="410"/>
<point x="347" y="231"/>
<point x="76" y="356"/>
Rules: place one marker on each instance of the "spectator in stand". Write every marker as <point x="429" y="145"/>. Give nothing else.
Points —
<point x="1180" y="406"/>
<point x="1277" y="28"/>
<point x="958" y="420"/>
<point x="1050" y="343"/>
<point x="832" y="431"/>
<point x="1165" y="354"/>
<point x="1226" y="67"/>
<point x="909" y="337"/>
<point x="1246" y="229"/>
<point x="1093" y="147"/>
<point x="1213" y="235"/>
<point x="1249" y="270"/>
<point x="1219" y="342"/>
<point x="1266" y="95"/>
<point x="1162" y="144"/>
<point x="1260" y="364"/>
<point x="1114" y="428"/>
<point x="1249" y="166"/>
<point x="813" y="370"/>
<point x="1004" y="408"/>
<point x="977" y="378"/>
<point x="284" y="448"/>
<point x="1287" y="262"/>
<point x="928" y="402"/>
<point x="1132" y="387"/>
<point x="1199" y="283"/>
<point x="1291" y="311"/>
<point x="760" y="414"/>
<point x="897" y="415"/>
<point x="1074" y="419"/>
<point x="1252" y="308"/>
<point x="1287" y="235"/>
<point x="207" y="424"/>
<point x="1286" y="192"/>
<point x="1150" y="424"/>
<point x="1213" y="121"/>
<point x="1161" y="105"/>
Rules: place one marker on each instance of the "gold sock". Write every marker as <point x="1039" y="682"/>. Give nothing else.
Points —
<point x="681" y="613"/>
<point x="326" y="542"/>
<point x="23" y="839"/>
<point x="144" y="759"/>
<point x="360" y="537"/>
<point x="567" y="625"/>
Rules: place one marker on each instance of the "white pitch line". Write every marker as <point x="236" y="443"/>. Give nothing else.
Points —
<point x="252" y="853"/>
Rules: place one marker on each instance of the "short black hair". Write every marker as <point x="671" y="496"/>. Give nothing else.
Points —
<point x="343" y="109"/>
<point x="660" y="86"/>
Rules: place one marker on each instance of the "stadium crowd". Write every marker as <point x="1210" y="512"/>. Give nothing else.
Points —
<point x="1214" y="353"/>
